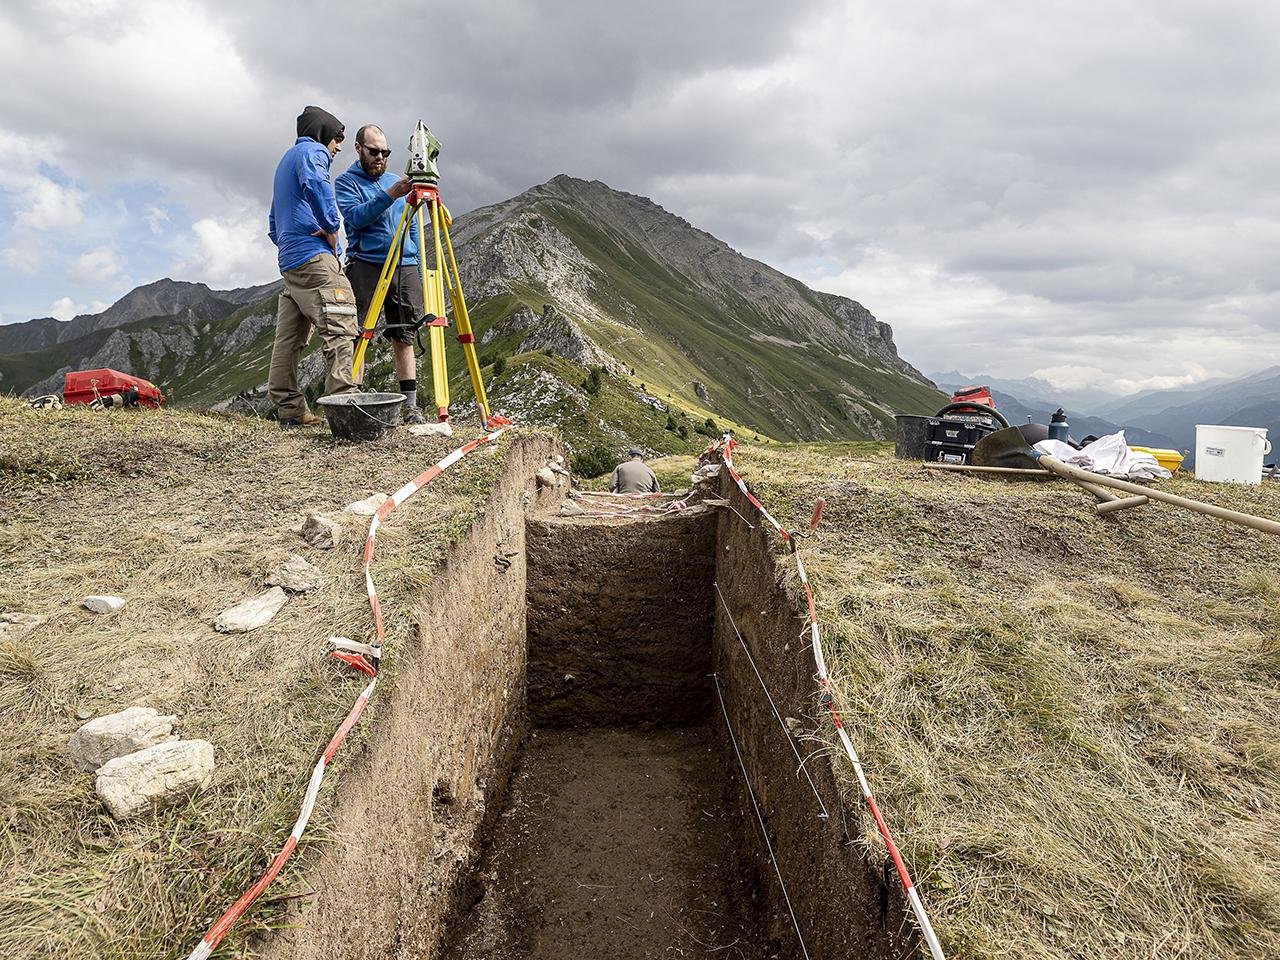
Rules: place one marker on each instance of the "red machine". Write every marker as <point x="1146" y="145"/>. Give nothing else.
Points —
<point x="86" y="386"/>
<point x="974" y="395"/>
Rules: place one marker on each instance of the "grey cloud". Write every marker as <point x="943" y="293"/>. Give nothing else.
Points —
<point x="1083" y="178"/>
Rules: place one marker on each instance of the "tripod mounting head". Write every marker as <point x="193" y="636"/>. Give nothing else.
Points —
<point x="424" y="148"/>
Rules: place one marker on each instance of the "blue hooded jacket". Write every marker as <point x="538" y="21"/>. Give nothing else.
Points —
<point x="372" y="216"/>
<point x="302" y="202"/>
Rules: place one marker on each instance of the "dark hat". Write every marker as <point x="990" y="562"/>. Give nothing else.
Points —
<point x="320" y="125"/>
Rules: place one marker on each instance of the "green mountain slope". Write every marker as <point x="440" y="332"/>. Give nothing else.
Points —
<point x="692" y="317"/>
<point x="568" y="276"/>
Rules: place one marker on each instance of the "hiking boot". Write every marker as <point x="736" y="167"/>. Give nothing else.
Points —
<point x="308" y="419"/>
<point x="412" y="415"/>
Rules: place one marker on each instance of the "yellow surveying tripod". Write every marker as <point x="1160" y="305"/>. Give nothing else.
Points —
<point x="424" y="197"/>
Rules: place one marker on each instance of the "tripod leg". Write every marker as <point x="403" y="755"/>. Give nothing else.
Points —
<point x="379" y="296"/>
<point x="463" y="321"/>
<point x="433" y="298"/>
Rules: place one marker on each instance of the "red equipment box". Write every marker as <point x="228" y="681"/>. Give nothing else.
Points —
<point x="974" y="395"/>
<point x="85" y="386"/>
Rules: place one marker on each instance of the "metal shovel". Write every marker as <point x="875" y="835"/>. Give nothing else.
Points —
<point x="1008" y="448"/>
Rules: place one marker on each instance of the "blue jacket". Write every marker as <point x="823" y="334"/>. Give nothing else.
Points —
<point x="302" y="202"/>
<point x="372" y="216"/>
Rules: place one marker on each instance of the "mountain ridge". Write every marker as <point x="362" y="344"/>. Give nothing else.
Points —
<point x="648" y="296"/>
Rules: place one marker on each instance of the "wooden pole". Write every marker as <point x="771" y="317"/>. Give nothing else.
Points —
<point x="1222" y="513"/>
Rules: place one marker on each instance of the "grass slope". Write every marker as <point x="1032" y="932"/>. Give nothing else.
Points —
<point x="1067" y="719"/>
<point x="783" y="391"/>
<point x="182" y="515"/>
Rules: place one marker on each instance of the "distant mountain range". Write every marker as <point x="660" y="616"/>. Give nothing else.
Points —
<point x="569" y="274"/>
<point x="1032" y="390"/>
<point x="1018" y="410"/>
<point x="1165" y="418"/>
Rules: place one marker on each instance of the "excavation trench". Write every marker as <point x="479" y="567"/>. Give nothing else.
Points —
<point x="557" y="777"/>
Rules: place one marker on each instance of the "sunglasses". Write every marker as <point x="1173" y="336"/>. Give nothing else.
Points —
<point x="375" y="151"/>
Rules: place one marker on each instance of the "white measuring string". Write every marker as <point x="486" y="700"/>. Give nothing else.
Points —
<point x="764" y="832"/>
<point x="781" y="723"/>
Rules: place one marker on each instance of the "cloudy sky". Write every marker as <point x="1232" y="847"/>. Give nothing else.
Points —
<point x="1082" y="191"/>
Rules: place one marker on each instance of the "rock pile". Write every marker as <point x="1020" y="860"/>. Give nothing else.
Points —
<point x="141" y="766"/>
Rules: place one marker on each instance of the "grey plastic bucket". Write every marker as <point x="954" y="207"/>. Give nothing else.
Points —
<point x="910" y="433"/>
<point x="361" y="416"/>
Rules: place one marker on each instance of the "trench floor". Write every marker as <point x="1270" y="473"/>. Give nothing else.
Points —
<point x="614" y="844"/>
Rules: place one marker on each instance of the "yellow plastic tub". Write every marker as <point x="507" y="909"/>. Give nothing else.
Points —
<point x="1171" y="460"/>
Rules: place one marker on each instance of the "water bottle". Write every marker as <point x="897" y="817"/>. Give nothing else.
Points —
<point x="1058" y="426"/>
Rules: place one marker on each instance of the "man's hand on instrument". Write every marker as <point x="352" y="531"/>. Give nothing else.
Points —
<point x="400" y="188"/>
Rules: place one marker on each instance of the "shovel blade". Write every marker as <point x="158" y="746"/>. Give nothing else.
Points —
<point x="1004" y="448"/>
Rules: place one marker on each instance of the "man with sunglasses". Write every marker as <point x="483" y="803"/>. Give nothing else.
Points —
<point x="372" y="202"/>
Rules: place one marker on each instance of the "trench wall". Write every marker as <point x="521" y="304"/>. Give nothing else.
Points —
<point x="619" y="619"/>
<point x="413" y="803"/>
<point x="847" y="903"/>
<point x="630" y="614"/>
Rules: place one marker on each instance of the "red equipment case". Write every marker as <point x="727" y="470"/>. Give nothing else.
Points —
<point x="85" y="386"/>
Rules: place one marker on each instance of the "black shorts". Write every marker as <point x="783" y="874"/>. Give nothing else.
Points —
<point x="404" y="296"/>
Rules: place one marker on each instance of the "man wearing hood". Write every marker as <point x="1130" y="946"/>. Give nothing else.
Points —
<point x="372" y="202"/>
<point x="304" y="226"/>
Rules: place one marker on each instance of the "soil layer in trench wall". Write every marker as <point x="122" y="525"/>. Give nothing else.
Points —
<point x="846" y="901"/>
<point x="619" y="620"/>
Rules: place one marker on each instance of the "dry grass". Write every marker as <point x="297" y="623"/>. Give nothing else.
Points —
<point x="1068" y="719"/>
<point x="183" y="515"/>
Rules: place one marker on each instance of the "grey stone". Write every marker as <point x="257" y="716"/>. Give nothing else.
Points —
<point x="15" y="625"/>
<point x="794" y="726"/>
<point x="100" y="604"/>
<point x="294" y="574"/>
<point x="251" y="614"/>
<point x="432" y="429"/>
<point x="321" y="532"/>
<point x="118" y="734"/>
<point x="545" y="477"/>
<point x="154" y="778"/>
<point x="366" y="507"/>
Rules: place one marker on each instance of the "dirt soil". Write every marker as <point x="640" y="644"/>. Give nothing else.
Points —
<point x="615" y="844"/>
<point x="620" y="621"/>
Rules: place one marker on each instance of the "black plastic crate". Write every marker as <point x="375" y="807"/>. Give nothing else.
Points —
<point x="951" y="439"/>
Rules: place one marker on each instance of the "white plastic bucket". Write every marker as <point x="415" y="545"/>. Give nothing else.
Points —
<point x="1230" y="454"/>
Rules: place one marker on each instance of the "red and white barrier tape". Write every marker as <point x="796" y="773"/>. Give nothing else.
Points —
<point x="725" y="447"/>
<point x="209" y="942"/>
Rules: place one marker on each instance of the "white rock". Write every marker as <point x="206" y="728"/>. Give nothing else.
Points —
<point x="545" y="477"/>
<point x="251" y="614"/>
<point x="432" y="429"/>
<point x="118" y="734"/>
<point x="367" y="507"/>
<point x="294" y="574"/>
<point x="794" y="726"/>
<point x="154" y="778"/>
<point x="708" y="471"/>
<point x="320" y="531"/>
<point x="103" y="604"/>
<point x="15" y="625"/>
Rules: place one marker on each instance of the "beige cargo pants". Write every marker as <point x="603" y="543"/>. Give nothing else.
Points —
<point x="316" y="295"/>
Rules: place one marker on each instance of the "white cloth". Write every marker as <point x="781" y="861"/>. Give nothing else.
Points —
<point x="1109" y="456"/>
